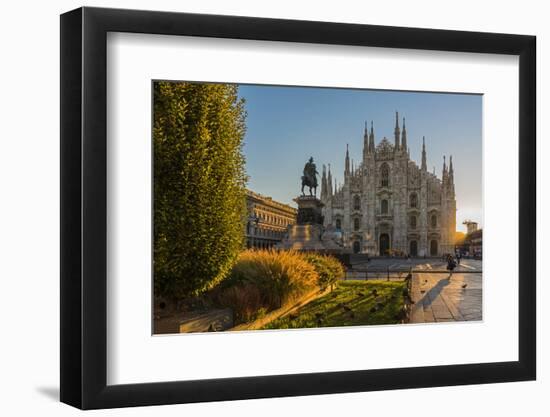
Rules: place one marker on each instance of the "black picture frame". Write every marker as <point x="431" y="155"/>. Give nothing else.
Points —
<point x="84" y="207"/>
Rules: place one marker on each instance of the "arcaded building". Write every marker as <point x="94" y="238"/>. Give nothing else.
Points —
<point x="268" y="220"/>
<point x="388" y="204"/>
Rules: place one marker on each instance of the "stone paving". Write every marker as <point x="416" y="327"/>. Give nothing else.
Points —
<point x="436" y="298"/>
<point x="440" y="299"/>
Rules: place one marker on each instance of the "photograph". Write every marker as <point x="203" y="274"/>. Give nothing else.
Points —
<point x="255" y="205"/>
<point x="293" y="207"/>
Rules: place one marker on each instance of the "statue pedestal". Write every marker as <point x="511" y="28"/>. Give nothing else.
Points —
<point x="308" y="234"/>
<point x="303" y="237"/>
<point x="309" y="210"/>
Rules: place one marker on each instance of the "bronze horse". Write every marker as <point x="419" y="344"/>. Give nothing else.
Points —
<point x="309" y="178"/>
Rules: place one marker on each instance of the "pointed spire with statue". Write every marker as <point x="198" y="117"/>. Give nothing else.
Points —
<point x="396" y="132"/>
<point x="347" y="166"/>
<point x="404" y="137"/>
<point x="424" y="166"/>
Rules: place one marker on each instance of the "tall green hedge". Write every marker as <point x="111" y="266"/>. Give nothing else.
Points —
<point x="199" y="185"/>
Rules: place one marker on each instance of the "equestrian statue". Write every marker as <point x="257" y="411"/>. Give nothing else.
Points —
<point x="309" y="178"/>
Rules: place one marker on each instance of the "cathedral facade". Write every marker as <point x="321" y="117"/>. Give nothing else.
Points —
<point x="388" y="204"/>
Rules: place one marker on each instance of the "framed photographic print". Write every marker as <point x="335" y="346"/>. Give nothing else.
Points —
<point x="256" y="208"/>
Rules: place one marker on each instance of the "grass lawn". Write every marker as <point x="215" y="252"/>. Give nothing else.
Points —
<point x="351" y="303"/>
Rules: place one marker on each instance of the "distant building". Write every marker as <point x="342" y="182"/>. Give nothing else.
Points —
<point x="388" y="204"/>
<point x="470" y="226"/>
<point x="268" y="220"/>
<point x="476" y="243"/>
<point x="473" y="242"/>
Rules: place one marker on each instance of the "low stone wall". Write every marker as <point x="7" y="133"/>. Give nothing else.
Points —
<point x="416" y="312"/>
<point x="216" y="320"/>
<point x="281" y="312"/>
<point x="212" y="320"/>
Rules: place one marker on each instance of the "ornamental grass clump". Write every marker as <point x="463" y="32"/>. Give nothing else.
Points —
<point x="329" y="269"/>
<point x="264" y="280"/>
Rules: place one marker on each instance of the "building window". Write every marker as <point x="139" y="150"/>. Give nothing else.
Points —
<point x="413" y="200"/>
<point x="356" y="224"/>
<point x="338" y="224"/>
<point x="412" y="222"/>
<point x="385" y="175"/>
<point x="356" y="203"/>
<point x="434" y="221"/>
<point x="384" y="206"/>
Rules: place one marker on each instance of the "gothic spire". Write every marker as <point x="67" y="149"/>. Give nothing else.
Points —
<point x="424" y="166"/>
<point x="451" y="175"/>
<point x="404" y="137"/>
<point x="397" y="131"/>
<point x="444" y="175"/>
<point x="347" y="169"/>
<point x="324" y="184"/>
<point x="371" y="137"/>
<point x="329" y="182"/>
<point x="366" y="148"/>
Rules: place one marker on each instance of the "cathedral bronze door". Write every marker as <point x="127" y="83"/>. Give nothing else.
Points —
<point x="433" y="248"/>
<point x="413" y="248"/>
<point x="384" y="244"/>
<point x="356" y="246"/>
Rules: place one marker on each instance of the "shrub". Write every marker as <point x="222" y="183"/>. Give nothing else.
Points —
<point x="328" y="268"/>
<point x="199" y="185"/>
<point x="245" y="300"/>
<point x="262" y="281"/>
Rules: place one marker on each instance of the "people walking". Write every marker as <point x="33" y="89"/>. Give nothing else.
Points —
<point x="451" y="265"/>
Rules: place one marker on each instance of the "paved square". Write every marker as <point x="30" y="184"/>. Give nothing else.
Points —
<point x="438" y="298"/>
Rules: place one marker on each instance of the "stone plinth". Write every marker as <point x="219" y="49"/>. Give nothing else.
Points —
<point x="309" y="210"/>
<point x="308" y="234"/>
<point x="303" y="237"/>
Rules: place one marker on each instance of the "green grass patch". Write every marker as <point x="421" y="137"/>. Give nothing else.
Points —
<point x="351" y="303"/>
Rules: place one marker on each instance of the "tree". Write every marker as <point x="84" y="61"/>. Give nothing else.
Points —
<point x="199" y="185"/>
<point x="459" y="238"/>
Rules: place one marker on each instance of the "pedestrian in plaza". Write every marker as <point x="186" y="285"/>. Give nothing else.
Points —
<point x="451" y="265"/>
<point x="458" y="257"/>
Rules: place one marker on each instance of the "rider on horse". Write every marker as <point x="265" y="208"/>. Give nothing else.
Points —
<point x="310" y="177"/>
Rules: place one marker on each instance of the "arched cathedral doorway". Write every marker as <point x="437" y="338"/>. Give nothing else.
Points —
<point x="384" y="244"/>
<point x="433" y="248"/>
<point x="356" y="246"/>
<point x="413" y="248"/>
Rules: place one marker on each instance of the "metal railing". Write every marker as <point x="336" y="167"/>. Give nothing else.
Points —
<point x="375" y="275"/>
<point x="398" y="274"/>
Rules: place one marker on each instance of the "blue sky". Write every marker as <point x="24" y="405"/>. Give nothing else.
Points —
<point x="287" y="125"/>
